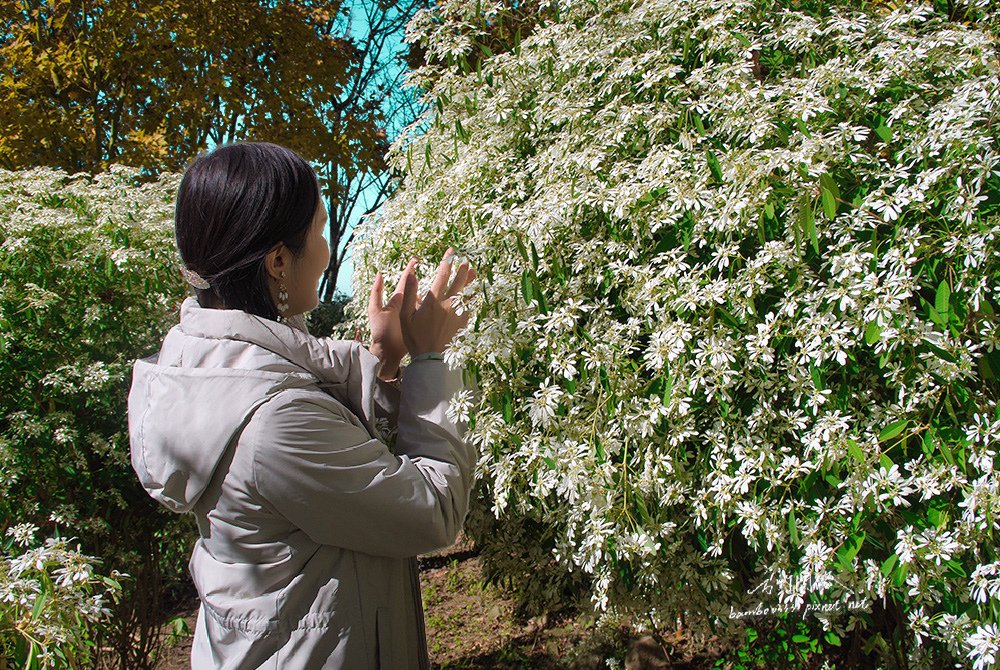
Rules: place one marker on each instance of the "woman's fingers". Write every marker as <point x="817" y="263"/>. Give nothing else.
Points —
<point x="461" y="279"/>
<point x="440" y="285"/>
<point x="430" y="323"/>
<point x="440" y="289"/>
<point x="409" y="305"/>
<point x="465" y="275"/>
<point x="402" y="278"/>
<point x="375" y="298"/>
<point x="396" y="299"/>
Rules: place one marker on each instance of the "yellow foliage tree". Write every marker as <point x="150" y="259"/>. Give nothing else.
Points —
<point x="87" y="83"/>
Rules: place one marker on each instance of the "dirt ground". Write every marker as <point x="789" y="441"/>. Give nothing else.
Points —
<point x="472" y="626"/>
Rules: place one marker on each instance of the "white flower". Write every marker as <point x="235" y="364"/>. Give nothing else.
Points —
<point x="23" y="533"/>
<point x="985" y="582"/>
<point x="936" y="545"/>
<point x="984" y="646"/>
<point x="645" y="228"/>
<point x="542" y="409"/>
<point x="460" y="407"/>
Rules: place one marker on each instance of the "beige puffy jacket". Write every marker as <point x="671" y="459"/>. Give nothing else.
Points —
<point x="308" y="523"/>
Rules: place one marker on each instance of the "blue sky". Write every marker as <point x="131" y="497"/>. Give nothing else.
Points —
<point x="344" y="276"/>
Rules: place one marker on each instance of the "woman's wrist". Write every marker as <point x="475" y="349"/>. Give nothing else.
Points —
<point x="388" y="364"/>
<point x="388" y="370"/>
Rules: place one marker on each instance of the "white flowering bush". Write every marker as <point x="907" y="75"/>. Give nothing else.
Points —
<point x="50" y="598"/>
<point x="736" y="333"/>
<point x="88" y="282"/>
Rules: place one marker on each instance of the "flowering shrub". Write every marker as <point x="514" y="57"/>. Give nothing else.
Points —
<point x="88" y="281"/>
<point x="49" y="598"/>
<point x="736" y="342"/>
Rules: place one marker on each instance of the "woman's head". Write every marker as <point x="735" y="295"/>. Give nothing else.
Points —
<point x="246" y="213"/>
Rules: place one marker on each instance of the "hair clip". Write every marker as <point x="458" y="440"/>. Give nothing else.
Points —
<point x="194" y="278"/>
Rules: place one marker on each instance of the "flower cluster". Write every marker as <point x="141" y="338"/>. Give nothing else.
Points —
<point x="88" y="282"/>
<point x="736" y="320"/>
<point x="49" y="597"/>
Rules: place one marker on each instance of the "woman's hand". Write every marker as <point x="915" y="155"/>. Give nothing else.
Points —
<point x="387" y="336"/>
<point x="430" y="324"/>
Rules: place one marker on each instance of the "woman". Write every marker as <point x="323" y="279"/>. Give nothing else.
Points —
<point x="308" y="523"/>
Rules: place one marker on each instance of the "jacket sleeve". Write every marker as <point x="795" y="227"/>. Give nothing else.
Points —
<point x="319" y="468"/>
<point x="386" y="399"/>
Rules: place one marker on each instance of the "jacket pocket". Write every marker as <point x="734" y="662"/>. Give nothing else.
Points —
<point x="383" y="639"/>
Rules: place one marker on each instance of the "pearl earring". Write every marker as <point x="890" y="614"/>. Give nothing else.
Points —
<point x="282" y="295"/>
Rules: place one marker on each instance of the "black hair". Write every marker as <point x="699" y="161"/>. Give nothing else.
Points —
<point x="234" y="204"/>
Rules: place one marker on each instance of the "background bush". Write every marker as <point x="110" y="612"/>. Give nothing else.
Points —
<point x="51" y="600"/>
<point x="736" y="339"/>
<point x="88" y="282"/>
<point x="324" y="320"/>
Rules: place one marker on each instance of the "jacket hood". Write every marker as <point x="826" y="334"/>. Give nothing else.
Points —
<point x="216" y="367"/>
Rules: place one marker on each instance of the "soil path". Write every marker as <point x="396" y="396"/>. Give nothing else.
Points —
<point x="470" y="625"/>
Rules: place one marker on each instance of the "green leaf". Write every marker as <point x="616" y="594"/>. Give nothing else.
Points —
<point x="942" y="298"/>
<point x="801" y="639"/>
<point x="899" y="574"/>
<point x="526" y="287"/>
<point x="946" y="451"/>
<point x="855" y="451"/>
<point x="543" y="305"/>
<point x="888" y="564"/>
<point x="927" y="443"/>
<point x="714" y="167"/>
<point x="832" y="638"/>
<point x="872" y="333"/>
<point x="641" y="510"/>
<point x="521" y="249"/>
<point x="741" y="38"/>
<point x="829" y="193"/>
<point x="985" y="369"/>
<point x="892" y="430"/>
<point x="941" y="353"/>
<point x="728" y="318"/>
<point x="937" y="516"/>
<point x="829" y="204"/>
<point x="817" y="377"/>
<point x="850" y="549"/>
<point x="883" y="131"/>
<point x="807" y="224"/>
<point x="40" y="602"/>
<point x="955" y="569"/>
<point x="698" y="124"/>
<point x="936" y="316"/>
<point x="793" y="531"/>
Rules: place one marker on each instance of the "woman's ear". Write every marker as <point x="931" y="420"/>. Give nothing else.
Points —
<point x="277" y="260"/>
